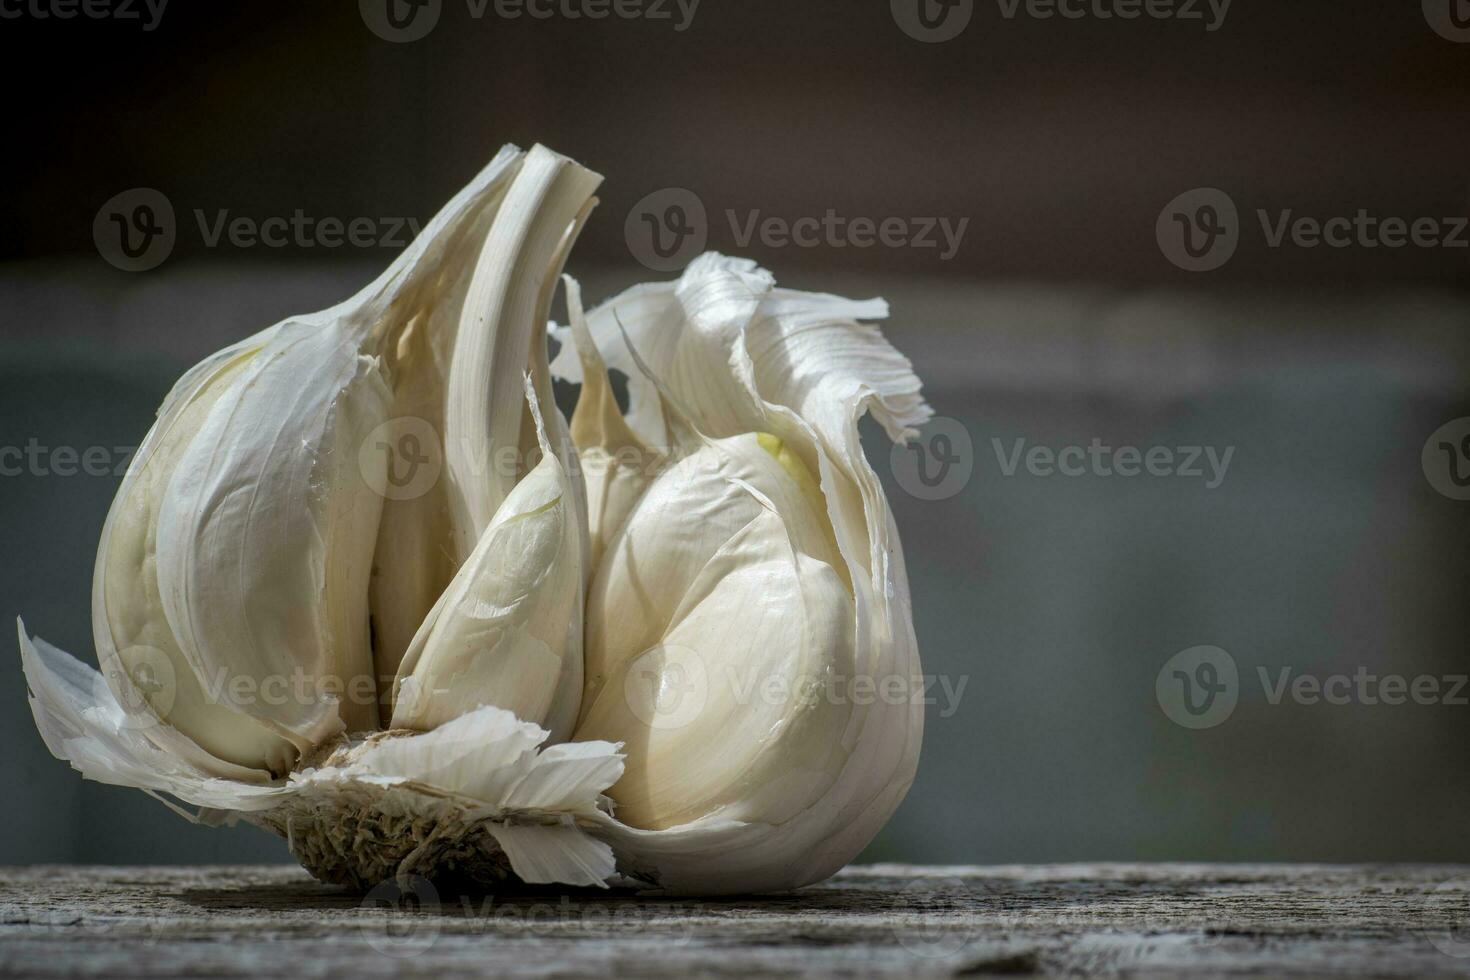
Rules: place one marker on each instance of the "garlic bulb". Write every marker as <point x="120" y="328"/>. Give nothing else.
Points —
<point x="365" y="587"/>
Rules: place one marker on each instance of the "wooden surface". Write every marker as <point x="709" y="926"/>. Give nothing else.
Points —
<point x="1129" y="920"/>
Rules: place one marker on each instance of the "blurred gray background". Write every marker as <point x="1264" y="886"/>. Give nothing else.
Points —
<point x="1054" y="600"/>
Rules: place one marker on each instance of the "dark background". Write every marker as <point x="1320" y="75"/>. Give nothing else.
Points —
<point x="1060" y="320"/>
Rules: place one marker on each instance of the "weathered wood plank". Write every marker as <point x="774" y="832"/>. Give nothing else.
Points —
<point x="1133" y="920"/>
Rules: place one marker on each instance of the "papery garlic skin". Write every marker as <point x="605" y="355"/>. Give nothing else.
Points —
<point x="742" y="358"/>
<point x="475" y="797"/>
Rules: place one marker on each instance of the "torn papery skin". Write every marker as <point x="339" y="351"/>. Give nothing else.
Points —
<point x="474" y="797"/>
<point x="769" y="383"/>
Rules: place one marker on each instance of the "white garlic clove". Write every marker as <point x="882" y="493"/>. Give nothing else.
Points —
<point x="499" y="635"/>
<point x="716" y="677"/>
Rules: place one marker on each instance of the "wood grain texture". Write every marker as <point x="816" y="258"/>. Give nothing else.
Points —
<point x="1128" y="920"/>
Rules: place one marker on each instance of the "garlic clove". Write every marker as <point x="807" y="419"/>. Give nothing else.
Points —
<point x="499" y="635"/>
<point x="717" y="680"/>
<point x="265" y="536"/>
<point x="139" y="654"/>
